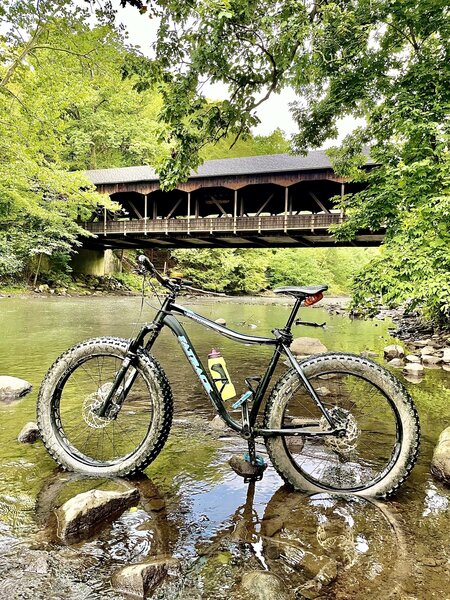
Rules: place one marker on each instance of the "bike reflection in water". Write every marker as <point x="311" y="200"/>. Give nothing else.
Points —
<point x="303" y="546"/>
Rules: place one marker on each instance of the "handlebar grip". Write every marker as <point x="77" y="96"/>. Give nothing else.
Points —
<point x="145" y="261"/>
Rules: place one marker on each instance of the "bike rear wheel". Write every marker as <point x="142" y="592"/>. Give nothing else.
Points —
<point x="381" y="440"/>
<point x="80" y="440"/>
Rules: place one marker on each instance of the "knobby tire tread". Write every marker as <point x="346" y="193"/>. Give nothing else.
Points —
<point x="166" y="393"/>
<point x="398" y="386"/>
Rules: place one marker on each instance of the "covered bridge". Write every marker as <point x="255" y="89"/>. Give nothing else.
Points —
<point x="272" y="200"/>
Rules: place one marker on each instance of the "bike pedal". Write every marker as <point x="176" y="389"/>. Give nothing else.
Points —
<point x="245" y="469"/>
<point x="260" y="462"/>
<point x="242" y="399"/>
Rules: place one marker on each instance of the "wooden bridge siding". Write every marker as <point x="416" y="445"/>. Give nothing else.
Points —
<point x="231" y="182"/>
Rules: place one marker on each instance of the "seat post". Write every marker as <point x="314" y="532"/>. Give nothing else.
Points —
<point x="293" y="314"/>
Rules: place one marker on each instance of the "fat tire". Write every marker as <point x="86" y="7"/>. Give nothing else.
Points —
<point x="356" y="365"/>
<point x="162" y="409"/>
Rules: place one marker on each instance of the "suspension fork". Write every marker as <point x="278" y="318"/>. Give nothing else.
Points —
<point x="112" y="404"/>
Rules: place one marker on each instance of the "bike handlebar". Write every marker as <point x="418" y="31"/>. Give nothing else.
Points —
<point x="171" y="284"/>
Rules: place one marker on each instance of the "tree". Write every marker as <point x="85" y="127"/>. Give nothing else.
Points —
<point x="385" y="60"/>
<point x="65" y="106"/>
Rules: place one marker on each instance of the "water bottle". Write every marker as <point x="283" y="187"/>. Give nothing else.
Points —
<point x="218" y="369"/>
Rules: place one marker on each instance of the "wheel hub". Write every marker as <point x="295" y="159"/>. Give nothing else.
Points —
<point x="346" y="442"/>
<point x="92" y="403"/>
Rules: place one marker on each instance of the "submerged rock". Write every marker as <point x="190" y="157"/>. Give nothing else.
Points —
<point x="429" y="359"/>
<point x="218" y="424"/>
<point x="413" y="369"/>
<point x="12" y="388"/>
<point x="29" y="434"/>
<point x="141" y="579"/>
<point x="220" y="322"/>
<point x="440" y="464"/>
<point x="262" y="585"/>
<point x="396" y="362"/>
<point x="393" y="351"/>
<point x="81" y="516"/>
<point x="412" y="358"/>
<point x="305" y="346"/>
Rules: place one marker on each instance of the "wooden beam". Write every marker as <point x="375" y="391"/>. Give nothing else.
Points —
<point x="286" y="200"/>
<point x="176" y="205"/>
<point x="131" y="203"/>
<point x="318" y="202"/>
<point x="214" y="201"/>
<point x="264" y="205"/>
<point x="189" y="213"/>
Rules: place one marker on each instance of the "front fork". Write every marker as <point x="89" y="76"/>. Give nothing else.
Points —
<point x="126" y="375"/>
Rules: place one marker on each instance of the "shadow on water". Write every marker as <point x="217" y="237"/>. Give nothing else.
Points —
<point x="226" y="535"/>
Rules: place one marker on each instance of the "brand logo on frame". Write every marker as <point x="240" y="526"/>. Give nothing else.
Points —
<point x="194" y="362"/>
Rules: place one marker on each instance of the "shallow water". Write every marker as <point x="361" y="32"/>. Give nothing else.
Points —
<point x="193" y="506"/>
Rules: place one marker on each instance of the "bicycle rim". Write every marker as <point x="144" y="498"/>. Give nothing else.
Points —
<point x="368" y="450"/>
<point x="91" y="439"/>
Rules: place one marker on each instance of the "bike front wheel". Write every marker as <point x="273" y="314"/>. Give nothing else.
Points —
<point x="77" y="383"/>
<point x="381" y="440"/>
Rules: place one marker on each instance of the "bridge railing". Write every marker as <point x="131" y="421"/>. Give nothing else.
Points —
<point x="216" y="225"/>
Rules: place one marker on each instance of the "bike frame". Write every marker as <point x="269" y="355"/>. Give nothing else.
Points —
<point x="280" y="343"/>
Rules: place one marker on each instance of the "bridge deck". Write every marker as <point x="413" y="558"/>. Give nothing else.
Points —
<point x="284" y="230"/>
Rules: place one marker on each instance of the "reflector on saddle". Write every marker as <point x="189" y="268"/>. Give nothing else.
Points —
<point x="310" y="300"/>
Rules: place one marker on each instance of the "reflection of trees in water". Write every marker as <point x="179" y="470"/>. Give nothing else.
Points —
<point x="346" y="547"/>
<point x="362" y="537"/>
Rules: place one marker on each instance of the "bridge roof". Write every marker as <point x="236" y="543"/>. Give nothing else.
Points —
<point x="249" y="165"/>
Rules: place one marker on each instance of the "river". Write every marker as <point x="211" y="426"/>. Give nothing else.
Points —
<point x="193" y="505"/>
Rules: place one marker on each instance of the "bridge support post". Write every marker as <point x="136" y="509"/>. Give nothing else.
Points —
<point x="189" y="213"/>
<point x="145" y="214"/>
<point x="286" y="201"/>
<point x="235" y="211"/>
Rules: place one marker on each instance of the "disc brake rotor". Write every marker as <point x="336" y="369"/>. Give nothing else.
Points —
<point x="347" y="443"/>
<point x="94" y="401"/>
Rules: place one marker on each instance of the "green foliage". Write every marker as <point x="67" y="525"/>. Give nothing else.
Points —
<point x="385" y="60"/>
<point x="275" y="143"/>
<point x="131" y="281"/>
<point x="244" y="271"/>
<point x="64" y="106"/>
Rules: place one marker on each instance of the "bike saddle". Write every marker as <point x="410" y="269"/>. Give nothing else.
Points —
<point x="301" y="291"/>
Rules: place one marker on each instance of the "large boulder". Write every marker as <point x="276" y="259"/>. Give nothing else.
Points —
<point x="12" y="388"/>
<point x="440" y="464"/>
<point x="84" y="514"/>
<point x="393" y="351"/>
<point x="262" y="585"/>
<point x="141" y="579"/>
<point x="305" y="346"/>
